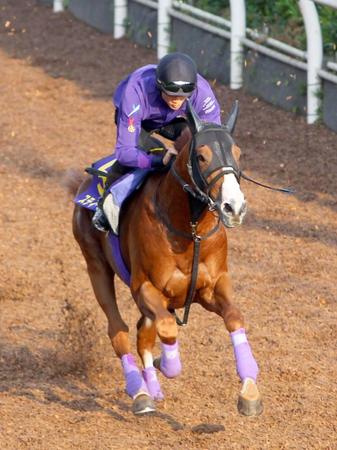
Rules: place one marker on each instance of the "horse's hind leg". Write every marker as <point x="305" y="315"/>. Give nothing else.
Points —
<point x="249" y="402"/>
<point x="146" y="337"/>
<point x="102" y="280"/>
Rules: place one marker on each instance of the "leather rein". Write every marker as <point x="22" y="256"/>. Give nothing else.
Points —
<point x="198" y="195"/>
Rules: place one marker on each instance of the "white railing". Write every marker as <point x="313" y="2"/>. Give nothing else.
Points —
<point x="120" y="16"/>
<point x="240" y="37"/>
<point x="315" y="57"/>
<point x="58" y="6"/>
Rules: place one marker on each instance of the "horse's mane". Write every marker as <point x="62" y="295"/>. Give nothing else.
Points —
<point x="185" y="136"/>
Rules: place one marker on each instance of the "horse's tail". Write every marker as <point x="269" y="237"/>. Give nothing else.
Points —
<point x="72" y="180"/>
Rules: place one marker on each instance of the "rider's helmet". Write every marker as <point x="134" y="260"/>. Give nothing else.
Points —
<point x="176" y="75"/>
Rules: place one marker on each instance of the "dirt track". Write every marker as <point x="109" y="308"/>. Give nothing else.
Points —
<point x="61" y="386"/>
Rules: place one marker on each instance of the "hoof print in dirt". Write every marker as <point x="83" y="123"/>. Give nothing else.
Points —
<point x="207" y="428"/>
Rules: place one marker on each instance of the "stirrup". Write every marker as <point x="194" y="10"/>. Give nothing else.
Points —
<point x="99" y="220"/>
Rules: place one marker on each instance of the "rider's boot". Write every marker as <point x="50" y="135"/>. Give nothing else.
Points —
<point x="99" y="219"/>
<point x="111" y="212"/>
<point x="106" y="206"/>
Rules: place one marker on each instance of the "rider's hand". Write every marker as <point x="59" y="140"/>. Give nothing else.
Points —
<point x="170" y="152"/>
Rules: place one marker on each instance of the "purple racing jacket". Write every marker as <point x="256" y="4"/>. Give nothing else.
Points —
<point x="139" y="103"/>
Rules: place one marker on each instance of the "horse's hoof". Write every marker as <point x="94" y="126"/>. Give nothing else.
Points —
<point x="249" y="401"/>
<point x="143" y="404"/>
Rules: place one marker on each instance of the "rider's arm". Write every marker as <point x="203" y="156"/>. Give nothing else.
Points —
<point x="205" y="103"/>
<point x="130" y="115"/>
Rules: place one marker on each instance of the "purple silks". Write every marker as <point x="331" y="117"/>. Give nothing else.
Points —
<point x="245" y="363"/>
<point x="170" y="364"/>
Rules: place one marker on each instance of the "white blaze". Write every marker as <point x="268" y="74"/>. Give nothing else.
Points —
<point x="231" y="193"/>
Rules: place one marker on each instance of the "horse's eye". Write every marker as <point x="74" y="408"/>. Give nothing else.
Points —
<point x="201" y="158"/>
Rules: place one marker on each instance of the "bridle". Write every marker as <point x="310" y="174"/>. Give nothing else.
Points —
<point x="218" y="138"/>
<point x="200" y="193"/>
<point x="224" y="164"/>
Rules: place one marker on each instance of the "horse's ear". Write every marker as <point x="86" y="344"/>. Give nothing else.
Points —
<point x="192" y="118"/>
<point x="233" y="115"/>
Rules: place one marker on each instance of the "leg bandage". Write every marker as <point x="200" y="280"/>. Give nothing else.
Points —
<point x="150" y="377"/>
<point x="135" y="383"/>
<point x="170" y="364"/>
<point x="245" y="363"/>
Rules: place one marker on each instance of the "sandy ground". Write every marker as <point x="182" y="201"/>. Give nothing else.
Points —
<point x="61" y="386"/>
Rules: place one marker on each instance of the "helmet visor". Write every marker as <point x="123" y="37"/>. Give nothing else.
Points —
<point x="177" y="89"/>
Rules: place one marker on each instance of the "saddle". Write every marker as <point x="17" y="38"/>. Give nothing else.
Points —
<point x="99" y="170"/>
<point x="121" y="190"/>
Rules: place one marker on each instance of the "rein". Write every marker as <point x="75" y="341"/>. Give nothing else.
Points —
<point x="196" y="238"/>
<point x="198" y="195"/>
<point x="194" y="274"/>
<point x="199" y="191"/>
<point x="284" y="190"/>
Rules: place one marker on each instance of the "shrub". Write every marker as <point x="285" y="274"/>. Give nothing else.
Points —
<point x="281" y="18"/>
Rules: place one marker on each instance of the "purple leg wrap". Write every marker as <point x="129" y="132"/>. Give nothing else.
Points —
<point x="133" y="377"/>
<point x="245" y="363"/>
<point x="170" y="364"/>
<point x="150" y="377"/>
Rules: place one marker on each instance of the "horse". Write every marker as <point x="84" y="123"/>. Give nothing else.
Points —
<point x="173" y="242"/>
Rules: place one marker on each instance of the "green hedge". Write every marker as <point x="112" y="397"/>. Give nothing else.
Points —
<point x="282" y="20"/>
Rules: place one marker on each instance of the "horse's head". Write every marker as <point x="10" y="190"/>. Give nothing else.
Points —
<point x="213" y="166"/>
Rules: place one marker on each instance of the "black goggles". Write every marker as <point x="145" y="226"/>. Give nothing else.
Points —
<point x="173" y="88"/>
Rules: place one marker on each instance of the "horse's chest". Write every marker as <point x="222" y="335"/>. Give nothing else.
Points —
<point x="179" y="283"/>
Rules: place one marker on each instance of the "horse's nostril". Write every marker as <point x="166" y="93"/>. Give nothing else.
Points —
<point x="228" y="208"/>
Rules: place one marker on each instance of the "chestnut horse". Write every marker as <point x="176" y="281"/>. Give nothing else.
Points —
<point x="174" y="245"/>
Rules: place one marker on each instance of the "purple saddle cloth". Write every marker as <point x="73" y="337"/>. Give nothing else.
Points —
<point x="120" y="190"/>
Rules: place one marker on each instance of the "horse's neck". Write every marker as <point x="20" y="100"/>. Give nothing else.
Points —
<point x="175" y="205"/>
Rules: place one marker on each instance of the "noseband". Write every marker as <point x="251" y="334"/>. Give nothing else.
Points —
<point x="199" y="189"/>
<point x="218" y="139"/>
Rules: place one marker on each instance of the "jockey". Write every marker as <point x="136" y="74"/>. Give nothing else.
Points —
<point x="152" y="99"/>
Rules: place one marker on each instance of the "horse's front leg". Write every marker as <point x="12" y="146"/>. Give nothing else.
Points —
<point x="146" y="337"/>
<point x="153" y="304"/>
<point x="249" y="402"/>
